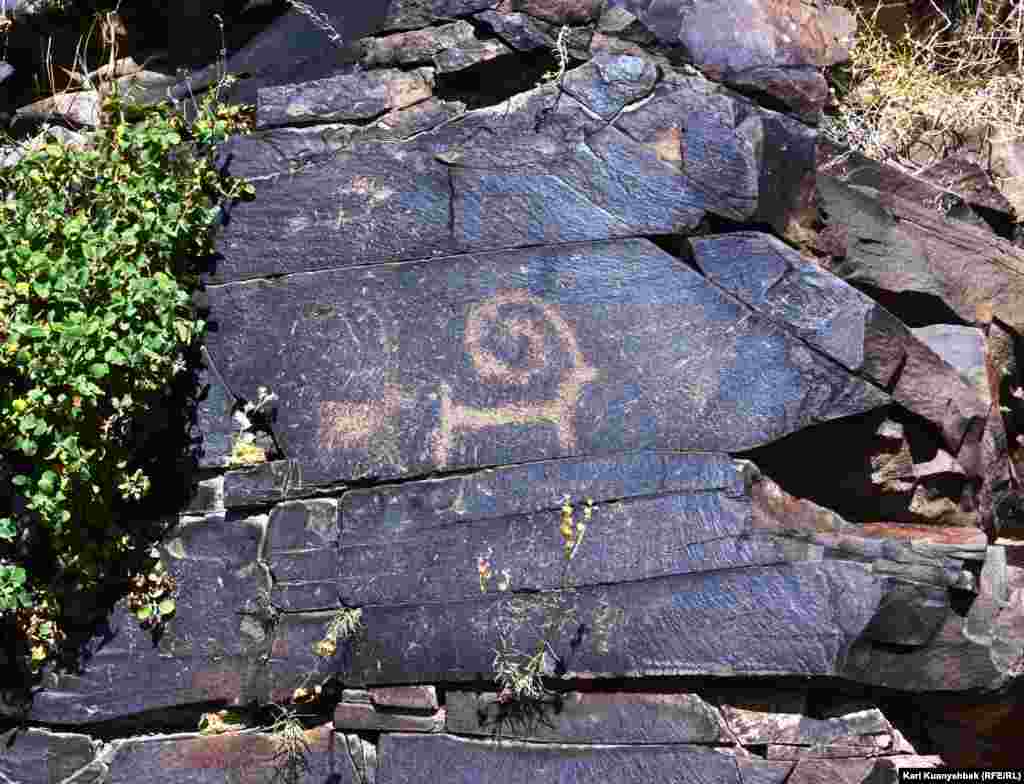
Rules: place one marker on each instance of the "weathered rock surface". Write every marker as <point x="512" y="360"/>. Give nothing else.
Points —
<point x="362" y="717"/>
<point x="535" y="345"/>
<point x="413" y="758"/>
<point x="292" y="49"/>
<point x="410" y="555"/>
<point x="484" y="292"/>
<point x="358" y="96"/>
<point x="590" y="717"/>
<point x="770" y="47"/>
<point x="897" y="246"/>
<point x="219" y="759"/>
<point x="35" y="756"/>
<point x="208" y="651"/>
<point x="963" y="348"/>
<point x="832" y="316"/>
<point x="546" y="170"/>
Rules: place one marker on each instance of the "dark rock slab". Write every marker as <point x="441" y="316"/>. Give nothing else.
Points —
<point x="910" y="613"/>
<point x="518" y="30"/>
<point x="217" y="759"/>
<point x="258" y="485"/>
<point x="462" y="57"/>
<point x="390" y="512"/>
<point x="969" y="181"/>
<point x="207" y="496"/>
<point x="608" y="83"/>
<point x="34" y="756"/>
<point x="729" y="149"/>
<point x="270" y="153"/>
<point x="292" y="49"/>
<point x="416" y="47"/>
<point x="956" y="658"/>
<point x="590" y="717"/>
<point x="831" y="771"/>
<point x="562" y="12"/>
<point x="301" y="550"/>
<point x="897" y="246"/>
<point x="542" y="169"/>
<point x="411" y="14"/>
<point x="208" y="650"/>
<point x="633" y="540"/>
<point x="832" y="316"/>
<point x="800" y="89"/>
<point x="416" y="758"/>
<point x="853" y="168"/>
<point x="632" y="629"/>
<point x="358" y="96"/>
<point x="513" y="356"/>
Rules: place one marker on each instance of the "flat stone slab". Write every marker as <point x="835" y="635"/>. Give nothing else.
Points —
<point x="216" y="759"/>
<point x="34" y="756"/>
<point x="543" y="168"/>
<point x="397" y="370"/>
<point x="362" y="717"/>
<point x="776" y="281"/>
<point x="357" y="96"/>
<point x="632" y="629"/>
<point x="590" y="717"/>
<point x="301" y="548"/>
<point x="207" y="651"/>
<point x="415" y="697"/>
<point x="629" y="540"/>
<point x="389" y="512"/>
<point x="412" y="759"/>
<point x="898" y="246"/>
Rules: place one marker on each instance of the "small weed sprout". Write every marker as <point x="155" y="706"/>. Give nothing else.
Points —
<point x="561" y="49"/>
<point x="908" y="101"/>
<point x="572" y="530"/>
<point x="152" y="595"/>
<point x="320" y="20"/>
<point x="291" y="748"/>
<point x="345" y="624"/>
<point x="520" y="678"/>
<point x="220" y="722"/>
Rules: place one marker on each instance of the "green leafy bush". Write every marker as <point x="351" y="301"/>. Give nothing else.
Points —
<point x="97" y="263"/>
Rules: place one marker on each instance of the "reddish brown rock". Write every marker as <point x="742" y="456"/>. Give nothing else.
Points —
<point x="360" y="716"/>
<point x="414" y="697"/>
<point x="896" y="245"/>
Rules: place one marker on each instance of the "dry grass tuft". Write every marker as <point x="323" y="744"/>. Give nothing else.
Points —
<point x="912" y="99"/>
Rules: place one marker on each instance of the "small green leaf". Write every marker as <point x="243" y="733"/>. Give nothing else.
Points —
<point x="46" y="482"/>
<point x="7" y="529"/>
<point x="144" y="612"/>
<point x="99" y="369"/>
<point x="167" y="606"/>
<point x="27" y="446"/>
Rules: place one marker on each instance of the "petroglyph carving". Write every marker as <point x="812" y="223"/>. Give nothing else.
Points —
<point x="559" y="411"/>
<point x="347" y="425"/>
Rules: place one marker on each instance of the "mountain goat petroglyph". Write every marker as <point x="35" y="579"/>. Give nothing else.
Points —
<point x="559" y="411"/>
